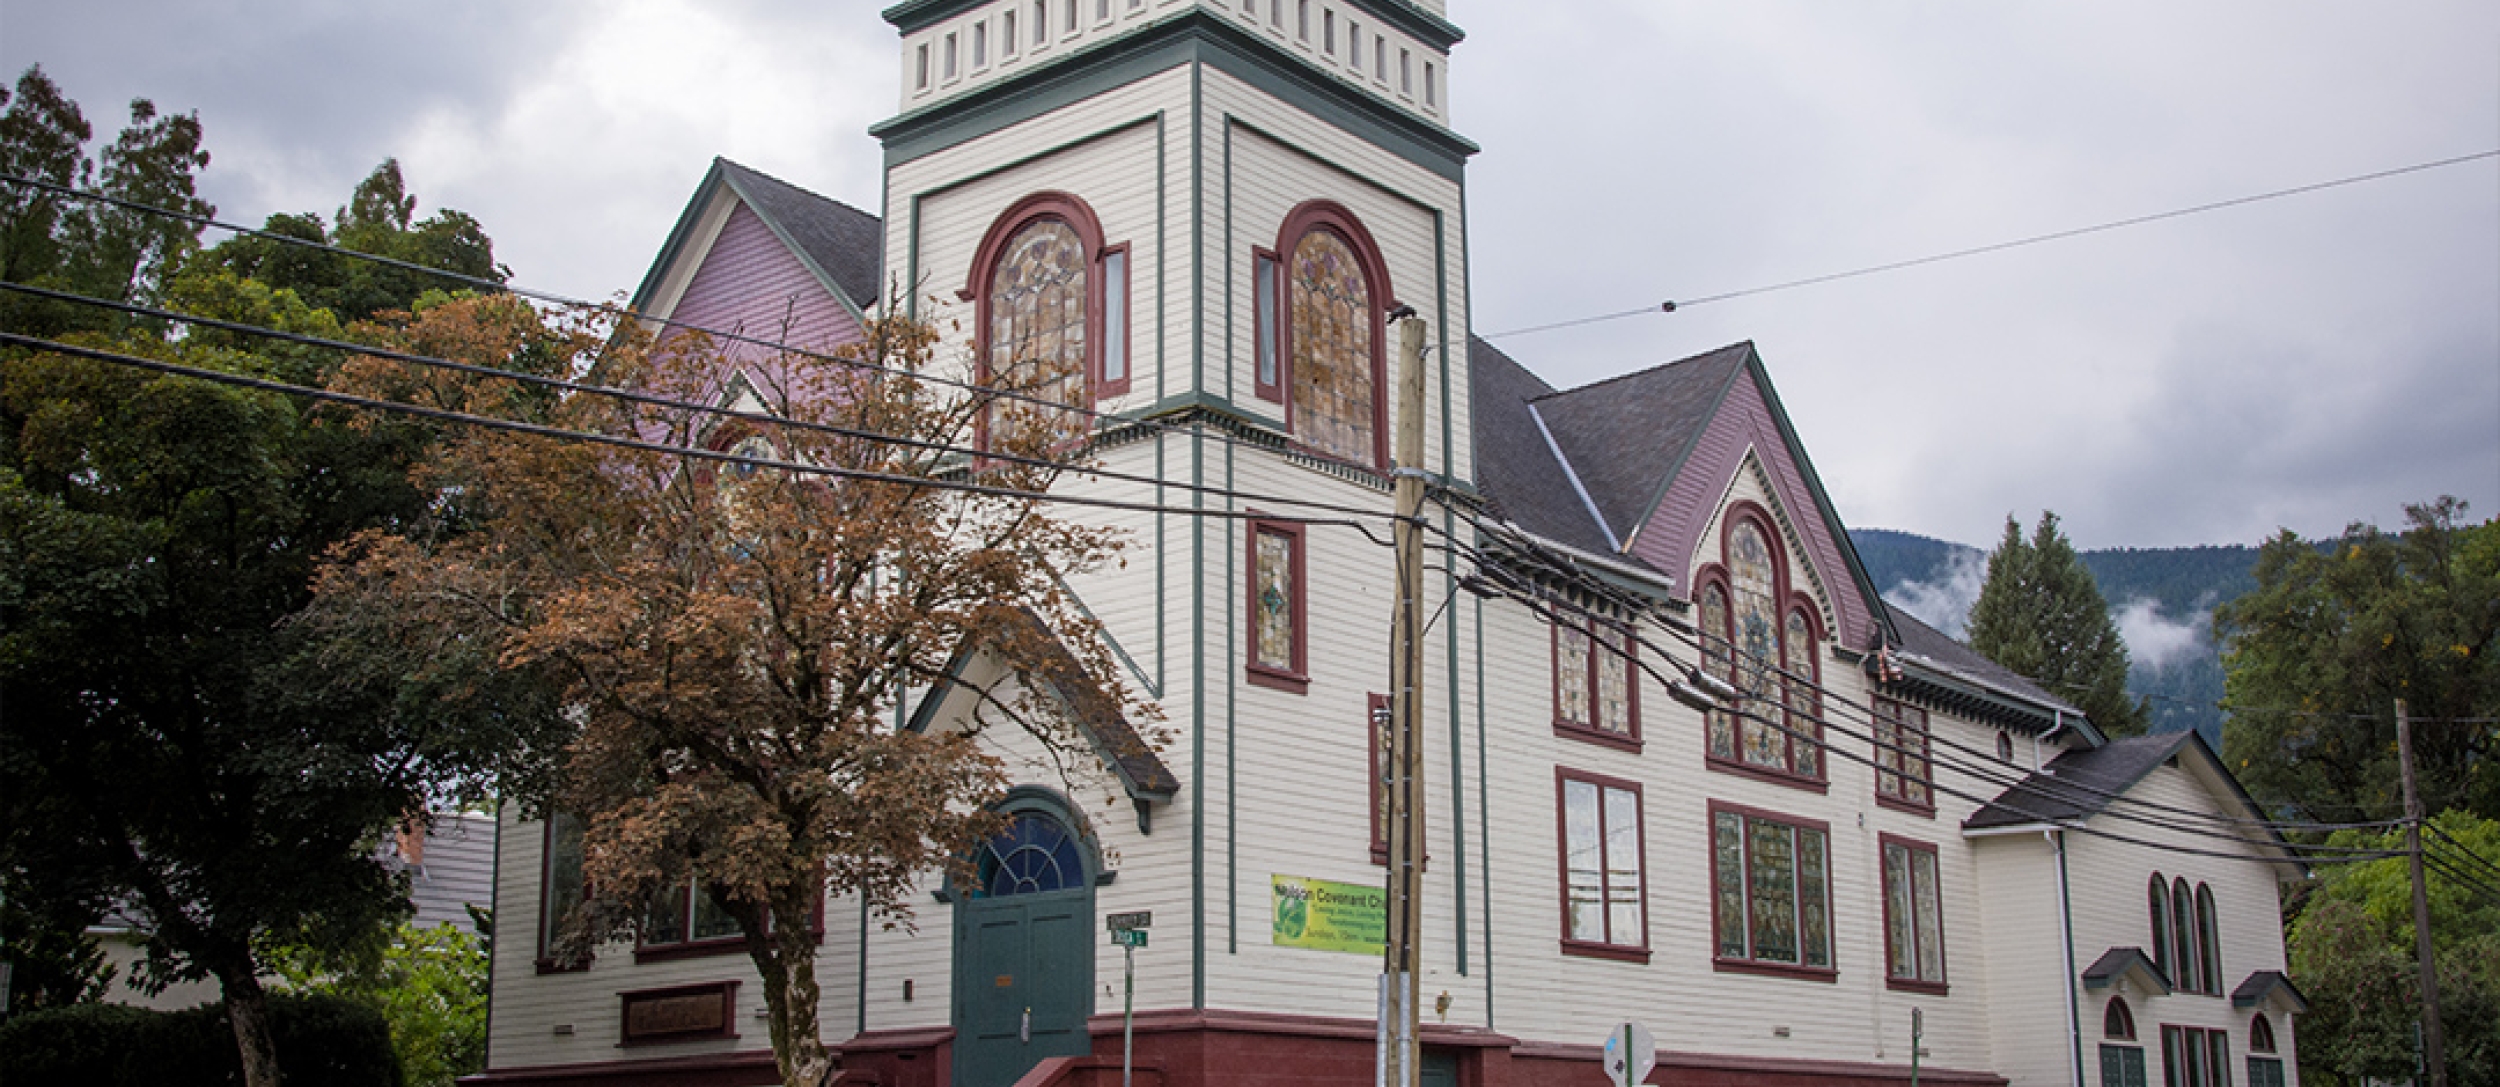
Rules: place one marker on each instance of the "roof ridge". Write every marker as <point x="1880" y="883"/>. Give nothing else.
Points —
<point x="1645" y="372"/>
<point x="793" y="187"/>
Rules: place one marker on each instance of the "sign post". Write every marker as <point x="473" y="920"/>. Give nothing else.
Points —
<point x="1630" y="1054"/>
<point x="1128" y="930"/>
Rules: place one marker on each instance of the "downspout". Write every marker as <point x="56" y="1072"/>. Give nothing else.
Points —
<point x="2066" y="947"/>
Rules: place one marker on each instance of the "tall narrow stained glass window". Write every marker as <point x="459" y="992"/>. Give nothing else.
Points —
<point x="1593" y="687"/>
<point x="1756" y="634"/>
<point x="1902" y="770"/>
<point x="1333" y="398"/>
<point x="1913" y="915"/>
<point x="1602" y="881"/>
<point x="1805" y="707"/>
<point x="1772" y="884"/>
<point x="1718" y="657"/>
<point x="1037" y="317"/>
<point x="1277" y="654"/>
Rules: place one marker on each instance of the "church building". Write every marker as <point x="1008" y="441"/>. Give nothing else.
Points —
<point x="1885" y="854"/>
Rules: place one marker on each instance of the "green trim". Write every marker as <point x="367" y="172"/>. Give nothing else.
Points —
<point x="1458" y="762"/>
<point x="1163" y="641"/>
<point x="1191" y="36"/>
<point x="1198" y="723"/>
<point x="1197" y="231"/>
<point x="1232" y="362"/>
<point x="1232" y="729"/>
<point x="1822" y="499"/>
<point x="914" y="16"/>
<point x="951" y="184"/>
<point x="1152" y="688"/>
<point x="1484" y="826"/>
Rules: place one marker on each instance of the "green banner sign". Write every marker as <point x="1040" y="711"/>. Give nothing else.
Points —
<point x="1328" y="916"/>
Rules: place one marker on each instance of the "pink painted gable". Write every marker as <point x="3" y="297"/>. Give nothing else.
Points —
<point x="1744" y="420"/>
<point x="750" y="284"/>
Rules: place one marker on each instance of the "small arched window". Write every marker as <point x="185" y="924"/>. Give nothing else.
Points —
<point x="2191" y="976"/>
<point x="2157" y="903"/>
<point x="1756" y="634"/>
<point x="2005" y="746"/>
<point x="2116" y="1021"/>
<point x="2208" y="941"/>
<point x="1051" y="313"/>
<point x="2260" y="1034"/>
<point x="1034" y="855"/>
<point x="1318" y="302"/>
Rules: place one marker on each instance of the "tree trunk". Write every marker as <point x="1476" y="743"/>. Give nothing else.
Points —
<point x="247" y="1007"/>
<point x="786" y="960"/>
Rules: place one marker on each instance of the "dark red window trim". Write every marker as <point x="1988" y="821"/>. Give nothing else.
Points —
<point x="2116" y="1014"/>
<point x="1375" y="737"/>
<point x="547" y="963"/>
<point x="1562" y="842"/>
<point x="1591" y="731"/>
<point x="1914" y="985"/>
<point x="1710" y="848"/>
<point x="1329" y="215"/>
<point x="716" y="945"/>
<point x="1079" y="217"/>
<point x="1298" y="679"/>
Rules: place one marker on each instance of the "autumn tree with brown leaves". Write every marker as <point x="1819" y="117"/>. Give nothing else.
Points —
<point x="733" y="632"/>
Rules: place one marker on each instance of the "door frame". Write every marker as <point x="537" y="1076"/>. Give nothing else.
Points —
<point x="1023" y="800"/>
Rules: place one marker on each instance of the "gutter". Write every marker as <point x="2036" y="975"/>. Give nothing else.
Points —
<point x="2066" y="947"/>
<point x="1662" y="583"/>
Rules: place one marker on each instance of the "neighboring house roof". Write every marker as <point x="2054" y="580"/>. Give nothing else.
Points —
<point x="1959" y="677"/>
<point x="2118" y="962"/>
<point x="2084" y="782"/>
<point x="842" y="246"/>
<point x="451" y="868"/>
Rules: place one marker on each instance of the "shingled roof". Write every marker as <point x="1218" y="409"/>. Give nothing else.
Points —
<point x="1515" y="465"/>
<point x="2078" y="784"/>
<point x="1627" y="436"/>
<point x="842" y="246"/>
<point x="1960" y="675"/>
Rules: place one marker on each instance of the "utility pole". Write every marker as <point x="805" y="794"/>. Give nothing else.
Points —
<point x="2433" y="1043"/>
<point x="1401" y="971"/>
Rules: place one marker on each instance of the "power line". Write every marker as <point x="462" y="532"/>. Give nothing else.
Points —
<point x="1672" y="306"/>
<point x="669" y="402"/>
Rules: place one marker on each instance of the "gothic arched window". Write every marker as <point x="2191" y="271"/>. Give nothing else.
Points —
<point x="1318" y="301"/>
<point x="1051" y="315"/>
<point x="1760" y="636"/>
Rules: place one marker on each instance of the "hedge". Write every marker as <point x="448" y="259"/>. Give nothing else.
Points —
<point x="322" y="1041"/>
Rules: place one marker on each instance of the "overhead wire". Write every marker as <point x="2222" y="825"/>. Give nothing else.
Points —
<point x="1672" y="306"/>
<point x="649" y="399"/>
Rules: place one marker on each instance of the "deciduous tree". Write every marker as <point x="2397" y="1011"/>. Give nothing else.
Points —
<point x="2040" y="615"/>
<point x="735" y="636"/>
<point x="2317" y="655"/>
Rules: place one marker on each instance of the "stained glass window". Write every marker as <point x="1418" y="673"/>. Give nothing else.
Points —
<point x="1902" y="770"/>
<point x="1034" y="855"/>
<point x="1571" y="674"/>
<point x="1276" y="596"/>
<point x="1756" y="635"/>
<point x="563" y="889"/>
<point x="1333" y="395"/>
<point x="1720" y="660"/>
<point x="1913" y="914"/>
<point x="1748" y="641"/>
<point x="1037" y="312"/>
<point x="1804" y="706"/>
<point x="1602" y="865"/>
<point x="1773" y="889"/>
<point x="1614" y="677"/>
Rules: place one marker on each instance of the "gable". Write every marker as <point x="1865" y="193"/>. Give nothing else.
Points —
<point x="1746" y="425"/>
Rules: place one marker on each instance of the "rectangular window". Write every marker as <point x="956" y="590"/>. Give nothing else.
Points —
<point x="1102" y="11"/>
<point x="1431" y="95"/>
<point x="1071" y="9"/>
<point x="980" y="44"/>
<point x="1379" y="724"/>
<point x="1913" y="917"/>
<point x="1406" y="71"/>
<point x="560" y="892"/>
<point x="1115" y="333"/>
<point x="1264" y="289"/>
<point x="1603" y="885"/>
<point x="1354" y="44"/>
<point x="1903" y="773"/>
<point x="950" y="57"/>
<point x="2123" y="1066"/>
<point x="2265" y="1072"/>
<point x="1772" y="892"/>
<point x="1006" y="34"/>
<point x="922" y="80"/>
<point x="1595" y="693"/>
<point x="1041" y="23"/>
<point x="1278" y="626"/>
<point x="683" y="916"/>
<point x="1380" y="58"/>
<point x="2195" y="1057"/>
<point x="1302" y="19"/>
<point x="1328" y="32"/>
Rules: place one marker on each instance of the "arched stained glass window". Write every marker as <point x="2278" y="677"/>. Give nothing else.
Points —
<point x="1037" y="316"/>
<point x="2191" y="975"/>
<point x="1756" y="634"/>
<point x="2260" y="1034"/>
<point x="2116" y="1021"/>
<point x="1333" y="393"/>
<point x="1034" y="855"/>
<point x="2208" y="941"/>
<point x="1804" y="707"/>
<point x="1720" y="661"/>
<point x="2157" y="903"/>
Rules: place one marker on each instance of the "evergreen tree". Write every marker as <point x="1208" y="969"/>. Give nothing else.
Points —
<point x="2041" y="615"/>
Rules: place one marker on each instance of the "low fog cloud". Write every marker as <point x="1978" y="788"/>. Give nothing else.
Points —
<point x="1945" y="602"/>
<point x="2154" y="640"/>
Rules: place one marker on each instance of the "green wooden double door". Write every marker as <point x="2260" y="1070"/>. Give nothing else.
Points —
<point x="1024" y="954"/>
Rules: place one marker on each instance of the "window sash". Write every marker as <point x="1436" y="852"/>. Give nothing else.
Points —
<point x="1913" y="913"/>
<point x="1773" y="889"/>
<point x="1603" y="872"/>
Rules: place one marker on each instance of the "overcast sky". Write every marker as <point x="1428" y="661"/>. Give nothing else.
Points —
<point x="2295" y="363"/>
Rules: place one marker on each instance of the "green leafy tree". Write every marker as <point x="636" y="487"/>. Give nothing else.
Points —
<point x="2317" y="655"/>
<point x="2352" y="953"/>
<point x="2040" y="615"/>
<point x="428" y="983"/>
<point x="53" y="962"/>
<point x="177" y="745"/>
<point x="379" y="218"/>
